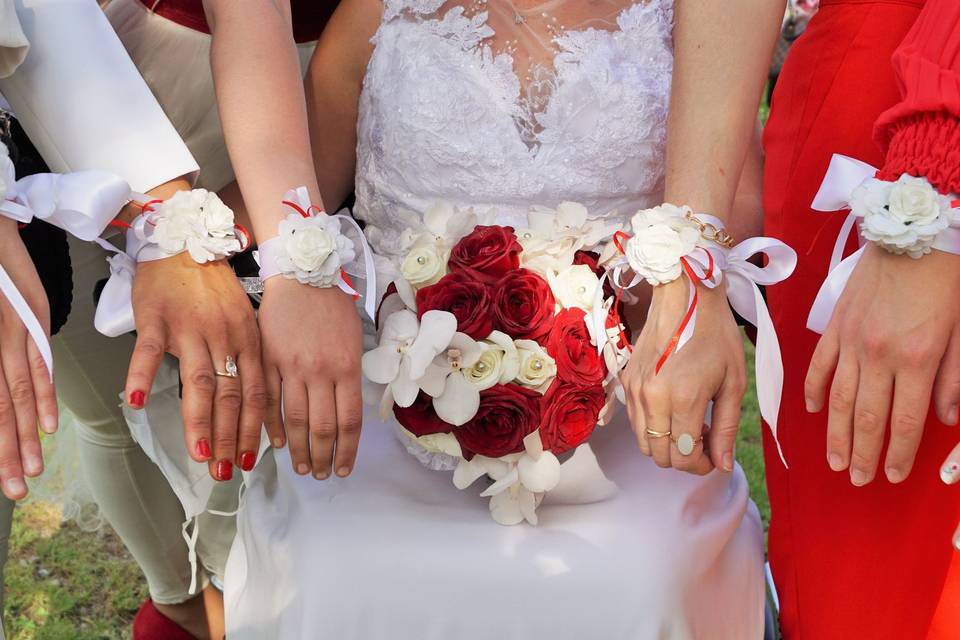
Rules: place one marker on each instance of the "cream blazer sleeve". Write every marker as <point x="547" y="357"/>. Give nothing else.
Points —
<point x="13" y="42"/>
<point x="82" y="101"/>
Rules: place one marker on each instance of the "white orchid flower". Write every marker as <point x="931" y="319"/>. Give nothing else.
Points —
<point x="555" y="235"/>
<point x="407" y="348"/>
<point x="520" y="480"/>
<point x="441" y="226"/>
<point x="456" y="400"/>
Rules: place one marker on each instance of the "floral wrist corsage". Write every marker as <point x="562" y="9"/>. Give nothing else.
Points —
<point x="196" y="221"/>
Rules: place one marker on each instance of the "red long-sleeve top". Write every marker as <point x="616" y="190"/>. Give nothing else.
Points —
<point x="921" y="133"/>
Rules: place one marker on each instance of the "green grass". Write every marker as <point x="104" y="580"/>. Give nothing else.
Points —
<point x="63" y="583"/>
<point x="750" y="444"/>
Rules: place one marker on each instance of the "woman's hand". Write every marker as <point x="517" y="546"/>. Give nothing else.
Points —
<point x="312" y="343"/>
<point x="200" y="314"/>
<point x="26" y="392"/>
<point x="709" y="367"/>
<point x="894" y="339"/>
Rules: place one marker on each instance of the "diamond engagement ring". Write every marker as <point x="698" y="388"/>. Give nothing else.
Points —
<point x="231" y="369"/>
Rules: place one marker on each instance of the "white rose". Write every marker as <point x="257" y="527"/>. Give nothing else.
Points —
<point x="216" y="216"/>
<point x="537" y="368"/>
<point x="574" y="286"/>
<point x="308" y="248"/>
<point x="313" y="249"/>
<point x="902" y="217"/>
<point x="423" y="266"/>
<point x="654" y="253"/>
<point x="487" y="370"/>
<point x="914" y="201"/>
<point x="666" y="213"/>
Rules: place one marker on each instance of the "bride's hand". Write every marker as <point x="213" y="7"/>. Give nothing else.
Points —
<point x="893" y="339"/>
<point x="200" y="314"/>
<point x="26" y="392"/>
<point x="709" y="367"/>
<point x="312" y="342"/>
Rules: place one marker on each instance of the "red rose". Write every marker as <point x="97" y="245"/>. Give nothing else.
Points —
<point x="470" y="300"/>
<point x="523" y="305"/>
<point x="486" y="254"/>
<point x="569" y="415"/>
<point x="419" y="418"/>
<point x="590" y="259"/>
<point x="578" y="362"/>
<point x="508" y="414"/>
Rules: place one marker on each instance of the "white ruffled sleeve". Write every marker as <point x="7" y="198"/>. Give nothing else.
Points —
<point x="83" y="102"/>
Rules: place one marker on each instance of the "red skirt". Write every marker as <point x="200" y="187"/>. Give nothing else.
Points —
<point x="849" y="563"/>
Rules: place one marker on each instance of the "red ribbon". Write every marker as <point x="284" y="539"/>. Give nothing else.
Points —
<point x="618" y="240"/>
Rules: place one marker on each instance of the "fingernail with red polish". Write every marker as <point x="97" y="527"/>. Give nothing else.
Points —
<point x="137" y="399"/>
<point x="247" y="460"/>
<point x="225" y="470"/>
<point x="203" y="448"/>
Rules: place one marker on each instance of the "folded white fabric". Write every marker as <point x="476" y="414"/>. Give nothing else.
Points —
<point x="81" y="203"/>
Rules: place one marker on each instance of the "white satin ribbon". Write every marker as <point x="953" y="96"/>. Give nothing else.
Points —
<point x="81" y="203"/>
<point x="114" y="315"/>
<point x="267" y="251"/>
<point x="843" y="176"/>
<point x="743" y="292"/>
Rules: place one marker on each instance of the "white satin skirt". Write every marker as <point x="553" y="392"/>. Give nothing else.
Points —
<point x="395" y="552"/>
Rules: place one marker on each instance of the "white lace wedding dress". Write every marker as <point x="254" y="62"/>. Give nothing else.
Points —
<point x="486" y="104"/>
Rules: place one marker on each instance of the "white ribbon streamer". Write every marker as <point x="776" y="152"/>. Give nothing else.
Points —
<point x="81" y="203"/>
<point x="743" y="292"/>
<point x="843" y="176"/>
<point x="267" y="252"/>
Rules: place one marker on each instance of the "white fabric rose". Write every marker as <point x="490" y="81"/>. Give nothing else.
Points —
<point x="903" y="216"/>
<point x="313" y="249"/>
<point x="537" y="369"/>
<point x="654" y="252"/>
<point x="574" y="286"/>
<point x="424" y="266"/>
<point x="196" y="221"/>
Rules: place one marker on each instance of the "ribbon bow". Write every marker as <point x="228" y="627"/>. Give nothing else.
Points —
<point x="81" y="203"/>
<point x="843" y="176"/>
<point x="299" y="200"/>
<point x="710" y="265"/>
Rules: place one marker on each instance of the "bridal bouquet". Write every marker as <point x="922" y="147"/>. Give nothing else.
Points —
<point x="488" y="348"/>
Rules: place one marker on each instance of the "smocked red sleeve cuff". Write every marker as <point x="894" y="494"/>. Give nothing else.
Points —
<point x="925" y="145"/>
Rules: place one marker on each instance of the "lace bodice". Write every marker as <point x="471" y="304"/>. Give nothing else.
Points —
<point x="454" y="109"/>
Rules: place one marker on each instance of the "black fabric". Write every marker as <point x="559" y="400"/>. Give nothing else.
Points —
<point x="46" y="244"/>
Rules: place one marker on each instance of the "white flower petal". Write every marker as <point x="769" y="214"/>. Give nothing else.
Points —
<point x="467" y="472"/>
<point x="399" y="326"/>
<point x="436" y="331"/>
<point x="505" y="508"/>
<point x="433" y="380"/>
<point x="459" y="401"/>
<point x="539" y="475"/>
<point x="403" y="387"/>
<point x="528" y="506"/>
<point x="504" y="483"/>
<point x="381" y="365"/>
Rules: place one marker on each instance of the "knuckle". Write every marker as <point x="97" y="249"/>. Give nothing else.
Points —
<point x="867" y="422"/>
<point x="203" y="380"/>
<point x="907" y="425"/>
<point x="838" y="443"/>
<point x="685" y="397"/>
<point x="875" y="344"/>
<point x="295" y="419"/>
<point x="229" y="396"/>
<point x="841" y="399"/>
<point x="863" y="461"/>
<point x="916" y="351"/>
<point x="324" y="430"/>
<point x="149" y="348"/>
<point x="351" y="425"/>
<point x="10" y="467"/>
<point x="21" y="390"/>
<point x="256" y="398"/>
<point x="655" y="392"/>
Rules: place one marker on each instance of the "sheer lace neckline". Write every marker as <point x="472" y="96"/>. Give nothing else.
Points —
<point x="524" y="48"/>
